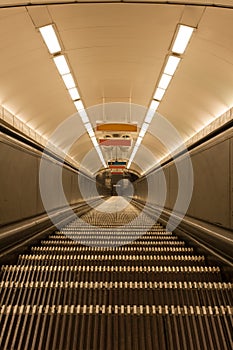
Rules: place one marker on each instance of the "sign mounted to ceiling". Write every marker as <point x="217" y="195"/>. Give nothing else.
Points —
<point x="120" y="127"/>
<point x="117" y="163"/>
<point x="116" y="166"/>
<point x="117" y="172"/>
<point x="115" y="142"/>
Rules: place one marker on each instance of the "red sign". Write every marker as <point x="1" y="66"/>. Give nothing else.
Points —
<point x="115" y="142"/>
<point x="117" y="172"/>
<point x="116" y="166"/>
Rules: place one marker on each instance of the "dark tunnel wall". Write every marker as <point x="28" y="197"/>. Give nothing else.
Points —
<point x="212" y="198"/>
<point x="19" y="177"/>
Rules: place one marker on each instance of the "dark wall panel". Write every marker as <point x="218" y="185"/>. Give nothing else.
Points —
<point x="20" y="196"/>
<point x="172" y="186"/>
<point x="18" y="178"/>
<point x="212" y="198"/>
<point x="231" y="181"/>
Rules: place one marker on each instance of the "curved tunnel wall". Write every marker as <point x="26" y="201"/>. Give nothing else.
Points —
<point x="212" y="198"/>
<point x="20" y="197"/>
<point x="23" y="218"/>
<point x="19" y="177"/>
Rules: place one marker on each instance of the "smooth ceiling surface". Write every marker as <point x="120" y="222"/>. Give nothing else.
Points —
<point x="116" y="52"/>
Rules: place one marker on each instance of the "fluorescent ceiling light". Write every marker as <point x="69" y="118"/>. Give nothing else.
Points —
<point x="94" y="141"/>
<point x="172" y="64"/>
<point x="83" y="116"/>
<point x="98" y="149"/>
<point x="79" y="105"/>
<point x="80" y="108"/>
<point x="143" y="129"/>
<point x="61" y="64"/>
<point x="89" y="129"/>
<point x="149" y="116"/>
<point x="68" y="80"/>
<point x="151" y="111"/>
<point x="91" y="133"/>
<point x="101" y="157"/>
<point x="154" y="105"/>
<point x="133" y="153"/>
<point x="74" y="94"/>
<point x="138" y="142"/>
<point x="159" y="94"/>
<point x="182" y="38"/>
<point x="50" y="38"/>
<point x="88" y="126"/>
<point x="164" y="81"/>
<point x="132" y="157"/>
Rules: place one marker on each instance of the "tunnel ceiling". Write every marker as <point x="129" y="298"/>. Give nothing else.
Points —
<point x="116" y="53"/>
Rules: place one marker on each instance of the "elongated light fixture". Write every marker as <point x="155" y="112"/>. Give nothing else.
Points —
<point x="79" y="105"/>
<point x="143" y="129"/>
<point x="164" y="81"/>
<point x="182" y="39"/>
<point x="74" y="94"/>
<point x="50" y="39"/>
<point x="172" y="64"/>
<point x="159" y="94"/>
<point x="61" y="64"/>
<point x="94" y="141"/>
<point x="68" y="80"/>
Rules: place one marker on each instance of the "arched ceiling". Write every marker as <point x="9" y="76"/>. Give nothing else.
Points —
<point x="116" y="52"/>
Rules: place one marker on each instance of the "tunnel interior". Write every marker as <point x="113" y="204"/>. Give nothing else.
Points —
<point x="116" y="175"/>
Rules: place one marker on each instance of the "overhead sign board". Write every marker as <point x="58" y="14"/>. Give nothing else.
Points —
<point x="115" y="142"/>
<point x="117" y="162"/>
<point x="117" y="166"/>
<point x="119" y="127"/>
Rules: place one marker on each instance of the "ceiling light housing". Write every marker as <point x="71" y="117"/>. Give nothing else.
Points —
<point x="143" y="129"/>
<point x="94" y="141"/>
<point x="172" y="64"/>
<point x="68" y="81"/>
<point x="138" y="142"/>
<point x="159" y="94"/>
<point x="182" y="38"/>
<point x="74" y="94"/>
<point x="50" y="38"/>
<point x="79" y="105"/>
<point x="164" y="81"/>
<point x="61" y="64"/>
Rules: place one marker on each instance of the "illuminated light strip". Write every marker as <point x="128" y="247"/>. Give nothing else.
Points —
<point x="94" y="141"/>
<point x="172" y="64"/>
<point x="68" y="81"/>
<point x="181" y="41"/>
<point x="74" y="94"/>
<point x="50" y="38"/>
<point x="52" y="42"/>
<point x="33" y="134"/>
<point x="164" y="81"/>
<point x="159" y="94"/>
<point x="61" y="64"/>
<point x="143" y="129"/>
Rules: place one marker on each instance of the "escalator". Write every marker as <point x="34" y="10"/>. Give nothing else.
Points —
<point x="114" y="279"/>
